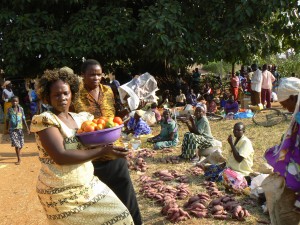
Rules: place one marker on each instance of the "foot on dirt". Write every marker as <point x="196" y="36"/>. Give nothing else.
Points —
<point x="17" y="163"/>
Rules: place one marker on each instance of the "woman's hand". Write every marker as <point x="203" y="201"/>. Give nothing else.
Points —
<point x="110" y="152"/>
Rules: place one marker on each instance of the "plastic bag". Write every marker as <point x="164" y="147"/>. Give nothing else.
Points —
<point x="256" y="182"/>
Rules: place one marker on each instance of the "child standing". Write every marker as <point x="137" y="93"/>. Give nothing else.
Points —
<point x="15" y="118"/>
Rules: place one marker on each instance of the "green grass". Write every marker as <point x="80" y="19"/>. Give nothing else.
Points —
<point x="262" y="138"/>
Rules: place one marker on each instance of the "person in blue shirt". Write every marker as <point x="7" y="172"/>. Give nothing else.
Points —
<point x="15" y="119"/>
<point x="136" y="125"/>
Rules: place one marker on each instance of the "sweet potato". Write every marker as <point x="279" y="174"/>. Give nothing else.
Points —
<point x="236" y="211"/>
<point x="199" y="214"/>
<point x="220" y="212"/>
<point x="221" y="217"/>
<point x="217" y="208"/>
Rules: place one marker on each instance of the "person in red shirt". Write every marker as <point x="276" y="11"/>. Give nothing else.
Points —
<point x="234" y="81"/>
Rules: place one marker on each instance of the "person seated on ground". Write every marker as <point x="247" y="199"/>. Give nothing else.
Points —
<point x="224" y="100"/>
<point x="241" y="157"/>
<point x="211" y="104"/>
<point x="180" y="99"/>
<point x="202" y="102"/>
<point x="285" y="158"/>
<point x="136" y="125"/>
<point x="156" y="112"/>
<point x="166" y="99"/>
<point x="168" y="136"/>
<point x="191" y="98"/>
<point x="235" y="172"/>
<point x="231" y="106"/>
<point x="199" y="135"/>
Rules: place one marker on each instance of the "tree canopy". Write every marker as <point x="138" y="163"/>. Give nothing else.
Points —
<point x="142" y="34"/>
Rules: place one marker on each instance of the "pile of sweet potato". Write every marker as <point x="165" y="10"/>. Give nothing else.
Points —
<point x="174" y="213"/>
<point x="197" y="205"/>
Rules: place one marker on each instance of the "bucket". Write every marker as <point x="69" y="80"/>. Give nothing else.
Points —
<point x="245" y="102"/>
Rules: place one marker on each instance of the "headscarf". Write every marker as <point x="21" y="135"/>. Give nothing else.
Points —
<point x="6" y="83"/>
<point x="140" y="113"/>
<point x="200" y="105"/>
<point x="287" y="87"/>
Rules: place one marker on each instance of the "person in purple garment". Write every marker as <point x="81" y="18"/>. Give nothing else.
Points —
<point x="231" y="106"/>
<point x="285" y="157"/>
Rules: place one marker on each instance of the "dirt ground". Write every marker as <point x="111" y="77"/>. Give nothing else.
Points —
<point x="18" y="199"/>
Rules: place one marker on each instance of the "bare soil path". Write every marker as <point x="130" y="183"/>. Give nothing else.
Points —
<point x="18" y="199"/>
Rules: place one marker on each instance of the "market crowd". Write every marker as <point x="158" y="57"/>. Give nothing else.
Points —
<point x="92" y="185"/>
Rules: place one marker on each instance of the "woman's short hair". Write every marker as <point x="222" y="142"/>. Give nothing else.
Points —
<point x="49" y="77"/>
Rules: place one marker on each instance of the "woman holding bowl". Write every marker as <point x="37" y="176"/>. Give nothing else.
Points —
<point x="66" y="186"/>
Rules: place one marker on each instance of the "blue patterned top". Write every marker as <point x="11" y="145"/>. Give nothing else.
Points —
<point x="15" y="118"/>
<point x="140" y="127"/>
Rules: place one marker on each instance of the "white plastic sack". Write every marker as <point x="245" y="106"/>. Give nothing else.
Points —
<point x="142" y="87"/>
<point x="256" y="182"/>
<point x="149" y="117"/>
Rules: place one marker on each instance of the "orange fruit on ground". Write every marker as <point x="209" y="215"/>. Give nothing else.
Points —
<point x="118" y="120"/>
<point x="79" y="131"/>
<point x="99" y="127"/>
<point x="85" y="123"/>
<point x="101" y="121"/>
<point x="89" y="128"/>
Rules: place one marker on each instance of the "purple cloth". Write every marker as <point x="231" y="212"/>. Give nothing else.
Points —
<point x="231" y="107"/>
<point x="140" y="127"/>
<point x="285" y="159"/>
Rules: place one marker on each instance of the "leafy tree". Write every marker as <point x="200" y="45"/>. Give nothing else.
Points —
<point x="158" y="35"/>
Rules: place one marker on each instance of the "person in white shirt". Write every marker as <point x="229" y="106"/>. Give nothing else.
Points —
<point x="256" y="85"/>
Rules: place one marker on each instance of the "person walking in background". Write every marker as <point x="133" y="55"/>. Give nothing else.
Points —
<point x="235" y="82"/>
<point x="266" y="86"/>
<point x="256" y="85"/>
<point x="98" y="99"/>
<point x="7" y="94"/>
<point x="33" y="99"/>
<point x="15" y="119"/>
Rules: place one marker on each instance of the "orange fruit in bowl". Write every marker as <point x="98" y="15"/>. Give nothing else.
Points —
<point x="86" y="123"/>
<point x="79" y="131"/>
<point x="101" y="121"/>
<point x="116" y="124"/>
<point x="104" y="118"/>
<point x="95" y="120"/>
<point x="89" y="128"/>
<point x="118" y="120"/>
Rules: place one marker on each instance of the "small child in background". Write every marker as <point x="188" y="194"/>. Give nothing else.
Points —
<point x="15" y="119"/>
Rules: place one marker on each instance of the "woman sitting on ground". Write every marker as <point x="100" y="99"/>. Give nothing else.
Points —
<point x="180" y="99"/>
<point x="199" y="135"/>
<point x="136" y="125"/>
<point x="231" y="106"/>
<point x="168" y="136"/>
